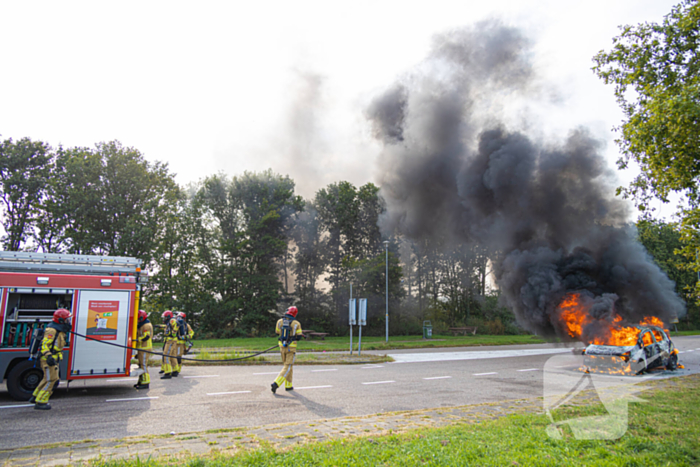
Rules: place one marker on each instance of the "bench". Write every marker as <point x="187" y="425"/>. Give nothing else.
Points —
<point x="464" y="330"/>
<point x="310" y="334"/>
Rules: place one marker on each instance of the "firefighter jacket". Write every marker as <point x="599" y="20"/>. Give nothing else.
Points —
<point x="171" y="330"/>
<point x="145" y="335"/>
<point x="53" y="343"/>
<point x="295" y="333"/>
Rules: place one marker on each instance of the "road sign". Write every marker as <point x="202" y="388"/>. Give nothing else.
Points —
<point x="352" y="308"/>
<point x="363" y="312"/>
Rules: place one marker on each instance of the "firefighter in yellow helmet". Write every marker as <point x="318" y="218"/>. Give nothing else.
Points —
<point x="51" y="353"/>
<point x="144" y="341"/>
<point x="289" y="330"/>
<point x="170" y="347"/>
<point x="184" y="334"/>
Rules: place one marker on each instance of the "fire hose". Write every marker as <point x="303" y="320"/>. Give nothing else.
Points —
<point x="164" y="355"/>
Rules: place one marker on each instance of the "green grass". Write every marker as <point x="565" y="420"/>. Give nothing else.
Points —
<point x="685" y="333"/>
<point x="664" y="431"/>
<point x="369" y="343"/>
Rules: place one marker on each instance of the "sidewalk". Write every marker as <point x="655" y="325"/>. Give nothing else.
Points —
<point x="279" y="435"/>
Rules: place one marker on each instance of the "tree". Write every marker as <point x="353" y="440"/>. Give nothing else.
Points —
<point x="25" y="166"/>
<point x="656" y="72"/>
<point x="108" y="200"/>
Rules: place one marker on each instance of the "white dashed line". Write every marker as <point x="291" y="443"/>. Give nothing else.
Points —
<point x="317" y="371"/>
<point x="223" y="393"/>
<point x="439" y="377"/>
<point x="380" y="382"/>
<point x="15" y="406"/>
<point x="484" y="374"/>
<point x="530" y="369"/>
<point x="202" y="376"/>
<point x="690" y="350"/>
<point x="131" y="399"/>
<point x="269" y="373"/>
<point x="312" y="387"/>
<point x="372" y="366"/>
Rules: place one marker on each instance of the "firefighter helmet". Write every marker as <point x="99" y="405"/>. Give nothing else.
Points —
<point x="143" y="316"/>
<point x="292" y="311"/>
<point x="167" y="314"/>
<point x="182" y="315"/>
<point x="62" y="316"/>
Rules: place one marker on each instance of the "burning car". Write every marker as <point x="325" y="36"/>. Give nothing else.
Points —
<point x="653" y="349"/>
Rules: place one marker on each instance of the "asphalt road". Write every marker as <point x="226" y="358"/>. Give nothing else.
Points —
<point x="205" y="398"/>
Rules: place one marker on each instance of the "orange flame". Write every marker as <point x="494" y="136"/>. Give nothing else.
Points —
<point x="573" y="315"/>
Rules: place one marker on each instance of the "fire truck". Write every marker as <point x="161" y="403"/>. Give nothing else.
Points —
<point x="101" y="291"/>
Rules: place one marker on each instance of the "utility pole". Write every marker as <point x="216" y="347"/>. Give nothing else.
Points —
<point x="386" y="260"/>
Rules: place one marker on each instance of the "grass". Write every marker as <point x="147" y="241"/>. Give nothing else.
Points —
<point x="368" y="343"/>
<point x="663" y="431"/>
<point x="685" y="333"/>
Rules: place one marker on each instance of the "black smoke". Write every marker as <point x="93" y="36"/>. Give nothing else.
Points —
<point x="545" y="210"/>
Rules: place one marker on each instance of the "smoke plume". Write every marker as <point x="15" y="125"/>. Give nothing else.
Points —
<point x="545" y="210"/>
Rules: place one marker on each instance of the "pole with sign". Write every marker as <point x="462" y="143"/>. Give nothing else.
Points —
<point x="352" y="311"/>
<point x="362" y="321"/>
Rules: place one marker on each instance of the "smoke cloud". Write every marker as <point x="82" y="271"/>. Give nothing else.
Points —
<point x="450" y="167"/>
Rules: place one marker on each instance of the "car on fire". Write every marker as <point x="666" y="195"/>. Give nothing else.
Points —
<point x="653" y="349"/>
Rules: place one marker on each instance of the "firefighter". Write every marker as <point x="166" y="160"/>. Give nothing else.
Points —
<point x="51" y="353"/>
<point x="184" y="334"/>
<point x="144" y="341"/>
<point x="289" y="330"/>
<point x="170" y="347"/>
<point x="167" y="314"/>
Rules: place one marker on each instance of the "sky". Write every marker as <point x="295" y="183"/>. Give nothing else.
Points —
<point x="226" y="86"/>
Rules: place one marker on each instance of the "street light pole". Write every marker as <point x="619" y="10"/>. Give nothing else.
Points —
<point x="386" y="261"/>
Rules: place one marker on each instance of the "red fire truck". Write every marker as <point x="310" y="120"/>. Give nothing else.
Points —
<point x="101" y="291"/>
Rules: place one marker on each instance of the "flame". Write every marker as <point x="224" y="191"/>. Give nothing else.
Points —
<point x="573" y="315"/>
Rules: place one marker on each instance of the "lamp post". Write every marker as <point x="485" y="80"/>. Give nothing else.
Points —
<point x="386" y="261"/>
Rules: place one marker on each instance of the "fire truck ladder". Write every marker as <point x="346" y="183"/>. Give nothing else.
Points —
<point x="16" y="261"/>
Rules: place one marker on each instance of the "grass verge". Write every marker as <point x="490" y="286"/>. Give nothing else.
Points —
<point x="369" y="343"/>
<point x="663" y="431"/>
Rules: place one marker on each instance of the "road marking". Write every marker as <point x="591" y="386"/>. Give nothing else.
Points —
<point x="484" y="374"/>
<point x="471" y="355"/>
<point x="222" y="393"/>
<point x="530" y="369"/>
<point x="380" y="382"/>
<point x="269" y="373"/>
<point x="316" y="371"/>
<point x="681" y="351"/>
<point x="202" y="376"/>
<point x="132" y="399"/>
<point x="312" y="387"/>
<point x="372" y="366"/>
<point x="690" y="350"/>
<point x="15" y="406"/>
<point x="439" y="377"/>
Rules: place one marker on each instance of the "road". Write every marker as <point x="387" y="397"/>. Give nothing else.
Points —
<point x="215" y="397"/>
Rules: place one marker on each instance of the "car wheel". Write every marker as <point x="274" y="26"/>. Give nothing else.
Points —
<point x="23" y="379"/>
<point x="672" y="362"/>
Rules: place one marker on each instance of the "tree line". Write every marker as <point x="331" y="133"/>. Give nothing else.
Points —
<point x="235" y="251"/>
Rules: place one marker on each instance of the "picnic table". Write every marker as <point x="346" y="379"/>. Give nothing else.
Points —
<point x="310" y="334"/>
<point x="463" y="330"/>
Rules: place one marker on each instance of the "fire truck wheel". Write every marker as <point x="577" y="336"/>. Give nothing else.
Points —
<point x="23" y="379"/>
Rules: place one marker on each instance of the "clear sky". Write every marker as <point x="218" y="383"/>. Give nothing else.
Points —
<point x="228" y="86"/>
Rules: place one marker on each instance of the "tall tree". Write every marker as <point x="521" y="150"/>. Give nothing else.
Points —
<point x="109" y="200"/>
<point x="25" y="166"/>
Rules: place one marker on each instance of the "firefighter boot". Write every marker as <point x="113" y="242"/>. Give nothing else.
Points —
<point x="32" y="399"/>
<point x="274" y="387"/>
<point x="44" y="406"/>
